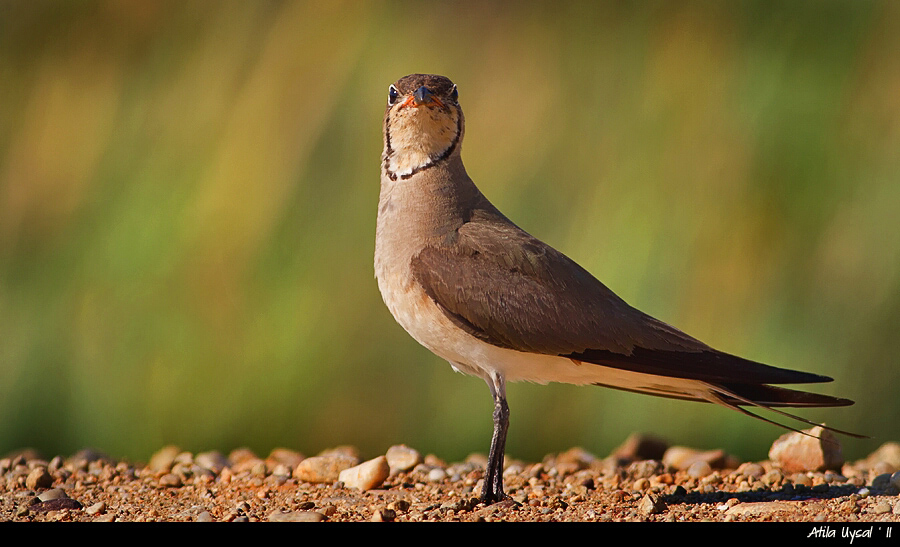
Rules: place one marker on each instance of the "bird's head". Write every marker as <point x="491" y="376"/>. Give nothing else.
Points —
<point x="423" y="124"/>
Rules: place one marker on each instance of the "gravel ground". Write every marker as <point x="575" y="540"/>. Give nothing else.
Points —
<point x="402" y="485"/>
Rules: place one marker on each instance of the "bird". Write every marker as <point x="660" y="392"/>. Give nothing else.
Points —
<point x="497" y="303"/>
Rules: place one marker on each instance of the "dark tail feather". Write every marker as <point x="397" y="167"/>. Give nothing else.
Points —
<point x="767" y="397"/>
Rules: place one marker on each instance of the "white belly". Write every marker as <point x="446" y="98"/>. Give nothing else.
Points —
<point x="423" y="320"/>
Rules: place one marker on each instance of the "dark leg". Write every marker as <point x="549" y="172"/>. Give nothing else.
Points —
<point x="493" y="476"/>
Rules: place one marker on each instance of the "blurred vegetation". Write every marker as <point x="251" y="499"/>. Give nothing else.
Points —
<point x="188" y="193"/>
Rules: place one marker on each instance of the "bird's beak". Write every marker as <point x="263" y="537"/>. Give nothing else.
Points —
<point x="422" y="97"/>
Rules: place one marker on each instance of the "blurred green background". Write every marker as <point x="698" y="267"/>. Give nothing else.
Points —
<point x="188" y="195"/>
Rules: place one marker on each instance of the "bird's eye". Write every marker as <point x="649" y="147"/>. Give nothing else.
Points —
<point x="454" y="94"/>
<point x="392" y="95"/>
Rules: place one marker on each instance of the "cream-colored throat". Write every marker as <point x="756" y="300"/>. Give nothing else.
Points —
<point x="417" y="138"/>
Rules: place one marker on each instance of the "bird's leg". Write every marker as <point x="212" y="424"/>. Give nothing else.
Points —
<point x="492" y="491"/>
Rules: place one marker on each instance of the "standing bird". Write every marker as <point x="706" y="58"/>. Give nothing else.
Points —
<point x="497" y="303"/>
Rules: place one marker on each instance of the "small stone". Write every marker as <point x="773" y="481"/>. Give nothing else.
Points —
<point x="437" y="475"/>
<point x="641" y="484"/>
<point x="213" y="461"/>
<point x="402" y="458"/>
<point x="817" y="451"/>
<point x="345" y="450"/>
<point x="399" y="505"/>
<point x="762" y="508"/>
<point x="645" y="469"/>
<point x="881" y="507"/>
<point x="887" y="453"/>
<point x="801" y="478"/>
<point x="318" y="469"/>
<point x="163" y="459"/>
<point x="239" y="455"/>
<point x="296" y="516"/>
<point x="367" y="475"/>
<point x="95" y="509"/>
<point x="38" y="478"/>
<point x="772" y="477"/>
<point x="284" y="456"/>
<point x="384" y="515"/>
<point x="639" y="446"/>
<point x="895" y="480"/>
<point x="108" y="517"/>
<point x="87" y="456"/>
<point x="204" y="516"/>
<point x="170" y="480"/>
<point x="882" y="481"/>
<point x="699" y="469"/>
<point x="252" y="465"/>
<point x="651" y="504"/>
<point x="577" y="457"/>
<point x="53" y="494"/>
<point x="682" y="457"/>
<point x="56" y="464"/>
<point x="282" y="470"/>
<point x="55" y="505"/>
<point x="751" y="470"/>
<point x="477" y="459"/>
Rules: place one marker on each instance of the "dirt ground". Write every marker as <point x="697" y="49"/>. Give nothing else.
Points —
<point x="406" y="486"/>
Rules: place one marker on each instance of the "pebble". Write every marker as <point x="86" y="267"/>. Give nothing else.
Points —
<point x="578" y="457"/>
<point x="817" y="451"/>
<point x="640" y="446"/>
<point x="282" y="470"/>
<point x="296" y="516"/>
<point x="170" y="480"/>
<point x="56" y="464"/>
<point x="887" y="453"/>
<point x="699" y="469"/>
<point x="204" y="516"/>
<point x="39" y="478"/>
<point x="801" y="478"/>
<point x="284" y="456"/>
<point x="319" y="469"/>
<point x="651" y="504"/>
<point x="682" y="457"/>
<point x="895" y="480"/>
<point x="402" y="458"/>
<point x="751" y="470"/>
<point x="344" y="450"/>
<point x="882" y="482"/>
<point x="53" y="494"/>
<point x="213" y="460"/>
<point x="437" y="475"/>
<point x="367" y="475"/>
<point x="641" y="484"/>
<point x="645" y="469"/>
<point x="761" y="508"/>
<point x="384" y="515"/>
<point x="97" y="508"/>
<point x="241" y="455"/>
<point x="163" y="459"/>
<point x="55" y="505"/>
<point x="108" y="517"/>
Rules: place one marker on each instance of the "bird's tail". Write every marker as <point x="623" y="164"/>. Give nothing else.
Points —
<point x="736" y="396"/>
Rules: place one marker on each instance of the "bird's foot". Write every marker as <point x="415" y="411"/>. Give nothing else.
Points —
<point x="490" y="496"/>
<point x="501" y="498"/>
